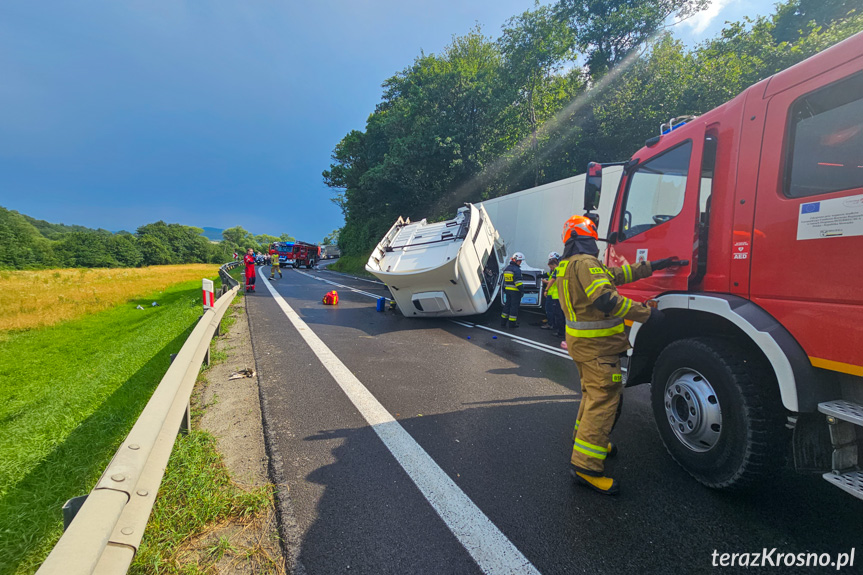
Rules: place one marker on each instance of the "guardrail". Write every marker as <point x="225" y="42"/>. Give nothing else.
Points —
<point x="107" y="529"/>
<point x="226" y="278"/>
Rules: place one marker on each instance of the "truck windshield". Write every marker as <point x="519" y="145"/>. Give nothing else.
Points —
<point x="656" y="191"/>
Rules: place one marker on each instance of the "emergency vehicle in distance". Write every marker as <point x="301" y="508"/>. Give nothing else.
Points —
<point x="329" y="252"/>
<point x="449" y="268"/>
<point x="763" y="338"/>
<point x="297" y="254"/>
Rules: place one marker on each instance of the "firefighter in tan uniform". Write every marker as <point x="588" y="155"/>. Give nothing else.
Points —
<point x="595" y="338"/>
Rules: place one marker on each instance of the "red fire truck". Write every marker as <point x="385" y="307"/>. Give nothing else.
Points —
<point x="762" y="200"/>
<point x="297" y="254"/>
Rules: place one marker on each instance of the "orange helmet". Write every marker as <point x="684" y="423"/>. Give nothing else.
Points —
<point x="581" y="225"/>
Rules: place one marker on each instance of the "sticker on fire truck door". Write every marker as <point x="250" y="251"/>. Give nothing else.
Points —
<point x="640" y="256"/>
<point x="740" y="251"/>
<point x="836" y="218"/>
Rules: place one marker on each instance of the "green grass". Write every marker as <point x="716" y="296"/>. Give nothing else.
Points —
<point x="238" y="274"/>
<point x="196" y="493"/>
<point x="69" y="394"/>
<point x="355" y="265"/>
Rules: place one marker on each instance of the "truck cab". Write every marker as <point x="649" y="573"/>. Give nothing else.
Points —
<point x="762" y="200"/>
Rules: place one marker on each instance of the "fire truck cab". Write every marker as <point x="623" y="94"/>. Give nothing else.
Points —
<point x="297" y="254"/>
<point x="762" y="199"/>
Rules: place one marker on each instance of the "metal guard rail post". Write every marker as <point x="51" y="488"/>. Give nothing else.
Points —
<point x="107" y="530"/>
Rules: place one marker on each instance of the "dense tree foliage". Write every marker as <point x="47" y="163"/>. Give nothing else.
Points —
<point x="29" y="243"/>
<point x="567" y="83"/>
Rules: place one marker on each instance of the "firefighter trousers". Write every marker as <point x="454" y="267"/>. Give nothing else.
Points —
<point x="511" y="302"/>
<point x="273" y="269"/>
<point x="601" y="386"/>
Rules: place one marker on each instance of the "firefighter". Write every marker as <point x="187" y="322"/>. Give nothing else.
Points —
<point x="249" y="263"/>
<point x="553" y="311"/>
<point x="594" y="313"/>
<point x="274" y="263"/>
<point x="512" y="291"/>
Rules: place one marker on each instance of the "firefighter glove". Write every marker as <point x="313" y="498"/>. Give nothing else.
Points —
<point x="664" y="263"/>
<point x="657" y="318"/>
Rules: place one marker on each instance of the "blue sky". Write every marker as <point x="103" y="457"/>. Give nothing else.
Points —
<point x="116" y="113"/>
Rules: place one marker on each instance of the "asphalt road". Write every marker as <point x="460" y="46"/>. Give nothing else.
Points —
<point x="495" y="415"/>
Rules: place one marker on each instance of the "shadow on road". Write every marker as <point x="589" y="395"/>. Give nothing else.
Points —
<point x="512" y="461"/>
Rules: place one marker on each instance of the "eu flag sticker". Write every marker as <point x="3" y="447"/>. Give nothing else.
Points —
<point x="810" y="208"/>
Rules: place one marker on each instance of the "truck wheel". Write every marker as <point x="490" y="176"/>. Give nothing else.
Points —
<point x="718" y="412"/>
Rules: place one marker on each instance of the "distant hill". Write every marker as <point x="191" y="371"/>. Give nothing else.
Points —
<point x="214" y="234"/>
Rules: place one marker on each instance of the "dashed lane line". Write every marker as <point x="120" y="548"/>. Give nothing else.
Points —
<point x="522" y="340"/>
<point x="355" y="290"/>
<point x="486" y="544"/>
<point x="352" y="277"/>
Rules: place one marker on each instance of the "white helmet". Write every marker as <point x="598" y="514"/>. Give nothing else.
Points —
<point x="553" y="256"/>
<point x="517" y="257"/>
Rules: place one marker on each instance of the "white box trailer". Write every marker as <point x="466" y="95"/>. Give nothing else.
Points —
<point x="531" y="221"/>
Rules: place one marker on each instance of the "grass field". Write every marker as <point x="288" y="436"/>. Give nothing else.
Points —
<point x="69" y="393"/>
<point x="47" y="297"/>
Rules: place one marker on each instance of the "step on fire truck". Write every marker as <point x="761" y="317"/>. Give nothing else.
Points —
<point x="297" y="254"/>
<point x="763" y="198"/>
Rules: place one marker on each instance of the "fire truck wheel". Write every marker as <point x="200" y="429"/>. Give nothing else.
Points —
<point x="718" y="412"/>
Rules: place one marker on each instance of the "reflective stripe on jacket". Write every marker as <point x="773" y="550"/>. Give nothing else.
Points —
<point x="590" y="331"/>
<point x="512" y="279"/>
<point x="552" y="289"/>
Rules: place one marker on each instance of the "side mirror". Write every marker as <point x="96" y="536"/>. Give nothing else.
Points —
<point x="592" y="186"/>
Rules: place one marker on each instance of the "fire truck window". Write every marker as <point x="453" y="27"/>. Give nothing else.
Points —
<point x="826" y="153"/>
<point x="656" y="191"/>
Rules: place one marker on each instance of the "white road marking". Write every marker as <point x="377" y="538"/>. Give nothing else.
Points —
<point x="359" y="291"/>
<point x="526" y="341"/>
<point x="486" y="544"/>
<point x="326" y="269"/>
<point x="543" y="346"/>
<point x="560" y="353"/>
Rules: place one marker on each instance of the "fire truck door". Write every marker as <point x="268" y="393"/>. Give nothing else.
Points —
<point x="656" y="215"/>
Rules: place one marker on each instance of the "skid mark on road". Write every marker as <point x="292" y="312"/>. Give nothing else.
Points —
<point x="486" y="544"/>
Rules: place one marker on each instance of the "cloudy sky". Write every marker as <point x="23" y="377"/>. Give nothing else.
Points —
<point x="213" y="113"/>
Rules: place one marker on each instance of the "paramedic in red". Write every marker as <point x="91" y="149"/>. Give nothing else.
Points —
<point x="249" y="262"/>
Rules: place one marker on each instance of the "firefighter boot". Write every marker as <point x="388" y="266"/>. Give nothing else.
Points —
<point x="599" y="483"/>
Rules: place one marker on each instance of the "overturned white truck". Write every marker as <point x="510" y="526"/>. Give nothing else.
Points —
<point x="442" y="269"/>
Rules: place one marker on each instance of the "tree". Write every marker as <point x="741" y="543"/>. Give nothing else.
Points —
<point x="239" y="238"/>
<point x="436" y="127"/>
<point x="86" y="250"/>
<point x="21" y="244"/>
<point x="536" y="44"/>
<point x="154" y="252"/>
<point x="124" y="249"/>
<point x="332" y="238"/>
<point x="264" y="241"/>
<point x="606" y="31"/>
<point x="795" y="19"/>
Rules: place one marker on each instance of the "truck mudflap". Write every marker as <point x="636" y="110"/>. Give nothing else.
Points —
<point x="801" y="386"/>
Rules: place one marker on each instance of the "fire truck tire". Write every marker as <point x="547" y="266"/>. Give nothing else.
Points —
<point x="718" y="412"/>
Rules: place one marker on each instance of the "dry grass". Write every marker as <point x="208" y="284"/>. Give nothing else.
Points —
<point x="32" y="299"/>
